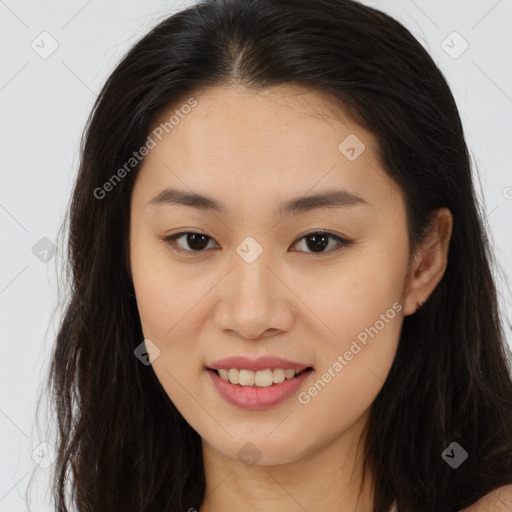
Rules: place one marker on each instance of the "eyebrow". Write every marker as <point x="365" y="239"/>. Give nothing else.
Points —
<point x="327" y="199"/>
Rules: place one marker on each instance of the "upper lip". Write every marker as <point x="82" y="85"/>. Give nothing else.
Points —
<point x="262" y="363"/>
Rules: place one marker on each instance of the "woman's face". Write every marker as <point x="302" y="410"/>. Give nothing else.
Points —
<point x="253" y="284"/>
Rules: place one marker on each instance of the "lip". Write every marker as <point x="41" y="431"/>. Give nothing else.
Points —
<point x="256" y="398"/>
<point x="262" y="363"/>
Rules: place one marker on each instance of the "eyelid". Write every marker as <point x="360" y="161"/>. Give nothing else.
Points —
<point x="342" y="242"/>
<point x="171" y="241"/>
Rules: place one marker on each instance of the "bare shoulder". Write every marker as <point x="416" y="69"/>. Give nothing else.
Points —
<point x="499" y="500"/>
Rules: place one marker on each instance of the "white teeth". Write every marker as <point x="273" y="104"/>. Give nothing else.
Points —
<point x="260" y="378"/>
<point x="246" y="378"/>
<point x="263" y="378"/>
<point x="224" y="373"/>
<point x="233" y="376"/>
<point x="278" y="376"/>
<point x="289" y="374"/>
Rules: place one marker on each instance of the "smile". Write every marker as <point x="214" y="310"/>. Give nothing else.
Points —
<point x="254" y="397"/>
<point x="261" y="378"/>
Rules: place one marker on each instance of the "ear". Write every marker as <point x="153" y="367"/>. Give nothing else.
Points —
<point x="429" y="261"/>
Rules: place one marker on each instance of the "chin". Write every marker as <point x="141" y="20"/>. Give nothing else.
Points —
<point x="259" y="450"/>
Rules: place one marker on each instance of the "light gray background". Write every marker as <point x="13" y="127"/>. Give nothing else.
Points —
<point x="44" y="103"/>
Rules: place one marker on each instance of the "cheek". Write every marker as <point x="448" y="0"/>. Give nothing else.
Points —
<point x="361" y="308"/>
<point x="353" y="294"/>
<point x="169" y="308"/>
<point x="171" y="301"/>
<point x="365" y="316"/>
<point x="160" y="289"/>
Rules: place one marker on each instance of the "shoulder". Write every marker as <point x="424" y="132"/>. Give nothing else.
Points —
<point x="499" y="500"/>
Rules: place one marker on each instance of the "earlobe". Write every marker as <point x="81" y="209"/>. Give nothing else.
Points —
<point x="430" y="261"/>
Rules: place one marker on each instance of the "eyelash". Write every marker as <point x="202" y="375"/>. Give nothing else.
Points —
<point x="171" y="240"/>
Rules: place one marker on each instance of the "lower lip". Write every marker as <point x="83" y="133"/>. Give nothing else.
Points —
<point x="254" y="397"/>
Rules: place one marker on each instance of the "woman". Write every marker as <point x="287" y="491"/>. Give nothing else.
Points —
<point x="282" y="296"/>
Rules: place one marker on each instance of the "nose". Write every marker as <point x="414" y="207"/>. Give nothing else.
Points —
<point x="254" y="302"/>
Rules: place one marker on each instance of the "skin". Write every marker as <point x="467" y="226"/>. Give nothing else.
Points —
<point x="253" y="151"/>
<point x="499" y="500"/>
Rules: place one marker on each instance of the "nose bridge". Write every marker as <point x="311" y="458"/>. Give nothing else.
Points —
<point x="254" y="300"/>
<point x="253" y="281"/>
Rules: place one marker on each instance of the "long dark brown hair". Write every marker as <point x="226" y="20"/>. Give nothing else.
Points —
<point x="122" y="445"/>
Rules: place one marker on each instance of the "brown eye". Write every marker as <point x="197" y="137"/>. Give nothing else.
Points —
<point x="192" y="242"/>
<point x="318" y="241"/>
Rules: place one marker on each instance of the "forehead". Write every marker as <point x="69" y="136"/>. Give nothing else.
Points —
<point x="282" y="117"/>
<point x="279" y="142"/>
